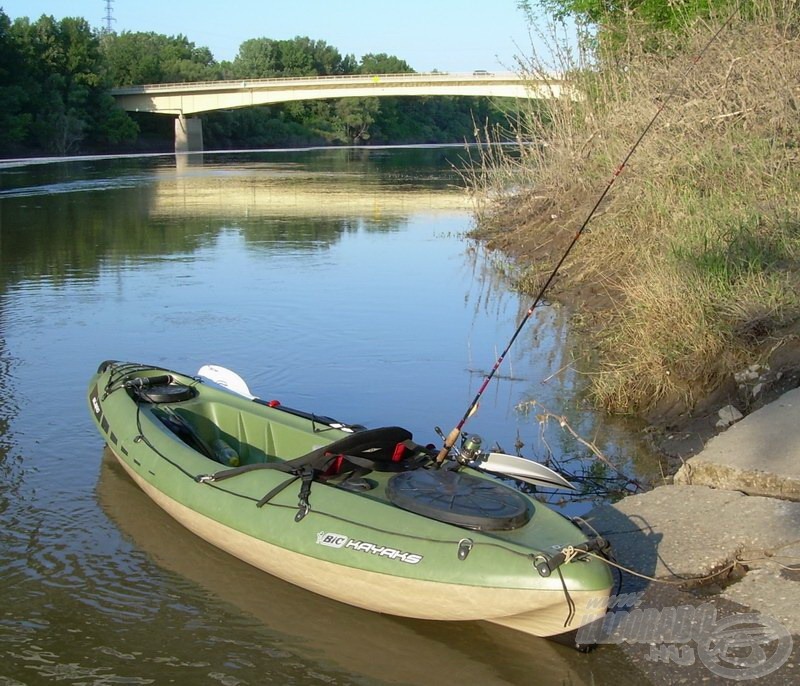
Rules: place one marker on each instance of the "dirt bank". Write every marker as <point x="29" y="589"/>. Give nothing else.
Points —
<point x="677" y="429"/>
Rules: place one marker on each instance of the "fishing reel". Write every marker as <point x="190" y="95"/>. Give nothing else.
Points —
<point x="471" y="445"/>
<point x="469" y="449"/>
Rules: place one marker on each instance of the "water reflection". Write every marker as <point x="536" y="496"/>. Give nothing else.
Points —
<point x="208" y="188"/>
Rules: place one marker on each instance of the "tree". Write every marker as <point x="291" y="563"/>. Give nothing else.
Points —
<point x="135" y="58"/>
<point x="300" y="56"/>
<point x="353" y="118"/>
<point x="611" y="15"/>
<point x="257" y="58"/>
<point x="15" y="119"/>
<point x="63" y="65"/>
<point x="382" y="63"/>
<point x="55" y="87"/>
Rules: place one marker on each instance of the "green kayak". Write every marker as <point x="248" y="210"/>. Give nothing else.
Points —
<point x="364" y="516"/>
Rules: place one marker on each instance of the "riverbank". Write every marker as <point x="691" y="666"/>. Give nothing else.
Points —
<point x="687" y="274"/>
<point x="685" y="285"/>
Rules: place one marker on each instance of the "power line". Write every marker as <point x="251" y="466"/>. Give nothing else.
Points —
<point x="109" y="18"/>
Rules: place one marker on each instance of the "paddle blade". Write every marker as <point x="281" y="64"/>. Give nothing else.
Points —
<point x="226" y="378"/>
<point x="520" y="468"/>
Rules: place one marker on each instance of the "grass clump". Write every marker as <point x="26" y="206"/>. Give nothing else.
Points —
<point x="692" y="263"/>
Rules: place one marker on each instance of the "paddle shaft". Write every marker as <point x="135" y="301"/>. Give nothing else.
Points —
<point x="452" y="437"/>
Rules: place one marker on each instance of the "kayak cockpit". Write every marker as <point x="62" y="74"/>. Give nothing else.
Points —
<point x="445" y="495"/>
<point x="244" y="435"/>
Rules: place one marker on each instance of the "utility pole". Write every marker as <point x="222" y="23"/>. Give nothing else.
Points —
<point x="109" y="18"/>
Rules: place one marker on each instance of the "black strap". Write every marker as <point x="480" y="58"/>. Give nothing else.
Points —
<point x="277" y="490"/>
<point x="235" y="471"/>
<point x="374" y="449"/>
<point x="418" y="456"/>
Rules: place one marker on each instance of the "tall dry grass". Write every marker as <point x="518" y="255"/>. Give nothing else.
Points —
<point x="697" y="247"/>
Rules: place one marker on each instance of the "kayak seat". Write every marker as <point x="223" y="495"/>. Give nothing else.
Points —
<point x="385" y="449"/>
<point x="389" y="449"/>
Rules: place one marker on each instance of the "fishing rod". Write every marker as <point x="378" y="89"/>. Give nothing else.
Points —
<point x="452" y="437"/>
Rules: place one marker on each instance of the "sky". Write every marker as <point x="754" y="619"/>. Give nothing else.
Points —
<point x="448" y="35"/>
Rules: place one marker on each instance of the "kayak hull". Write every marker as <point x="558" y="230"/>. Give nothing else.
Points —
<point x="353" y="547"/>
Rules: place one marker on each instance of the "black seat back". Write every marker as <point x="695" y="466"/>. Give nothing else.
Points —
<point x="370" y="448"/>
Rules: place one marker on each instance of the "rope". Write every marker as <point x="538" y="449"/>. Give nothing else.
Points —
<point x="678" y="580"/>
<point x="570" y="553"/>
<point x="568" y="598"/>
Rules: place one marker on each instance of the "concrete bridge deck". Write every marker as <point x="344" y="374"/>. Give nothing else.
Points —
<point x="183" y="99"/>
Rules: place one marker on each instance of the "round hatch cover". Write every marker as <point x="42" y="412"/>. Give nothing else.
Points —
<point x="166" y="393"/>
<point x="459" y="499"/>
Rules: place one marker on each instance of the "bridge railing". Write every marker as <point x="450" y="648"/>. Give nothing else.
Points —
<point x="332" y="78"/>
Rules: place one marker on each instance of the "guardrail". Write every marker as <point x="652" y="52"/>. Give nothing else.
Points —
<point x="231" y="84"/>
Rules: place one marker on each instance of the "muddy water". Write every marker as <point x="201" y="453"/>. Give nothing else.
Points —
<point x="336" y="281"/>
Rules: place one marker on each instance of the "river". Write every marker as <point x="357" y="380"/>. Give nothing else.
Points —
<point x="336" y="281"/>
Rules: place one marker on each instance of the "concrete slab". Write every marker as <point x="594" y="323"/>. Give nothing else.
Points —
<point x="694" y="531"/>
<point x="702" y="524"/>
<point x="760" y="455"/>
<point x="770" y="591"/>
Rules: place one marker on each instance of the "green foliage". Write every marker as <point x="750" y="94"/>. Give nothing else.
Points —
<point x="354" y="117"/>
<point x="56" y="77"/>
<point x="383" y="64"/>
<point x="14" y="118"/>
<point x="135" y="58"/>
<point x="609" y="14"/>
<point x="300" y="56"/>
<point x="55" y="87"/>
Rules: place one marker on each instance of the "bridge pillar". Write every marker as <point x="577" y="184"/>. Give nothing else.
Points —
<point x="188" y="134"/>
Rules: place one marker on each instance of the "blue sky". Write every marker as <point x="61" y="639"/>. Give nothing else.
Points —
<point x="448" y="35"/>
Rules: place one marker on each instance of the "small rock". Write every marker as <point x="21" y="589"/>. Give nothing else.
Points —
<point x="728" y="415"/>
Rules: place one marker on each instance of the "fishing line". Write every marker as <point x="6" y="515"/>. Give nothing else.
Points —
<point x="452" y="437"/>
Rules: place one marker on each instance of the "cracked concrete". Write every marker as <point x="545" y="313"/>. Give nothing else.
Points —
<point x="730" y="523"/>
<point x="759" y="455"/>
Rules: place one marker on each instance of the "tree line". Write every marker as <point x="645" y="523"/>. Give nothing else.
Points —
<point x="56" y="77"/>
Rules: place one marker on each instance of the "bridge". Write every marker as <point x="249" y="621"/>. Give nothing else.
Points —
<point x="184" y="99"/>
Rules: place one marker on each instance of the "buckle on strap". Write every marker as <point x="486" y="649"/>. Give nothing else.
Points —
<point x="306" y="473"/>
<point x="303" y="507"/>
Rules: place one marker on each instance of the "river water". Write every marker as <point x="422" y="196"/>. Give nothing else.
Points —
<point x="337" y="281"/>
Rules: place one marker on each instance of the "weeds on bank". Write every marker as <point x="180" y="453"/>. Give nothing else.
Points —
<point x="698" y="245"/>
